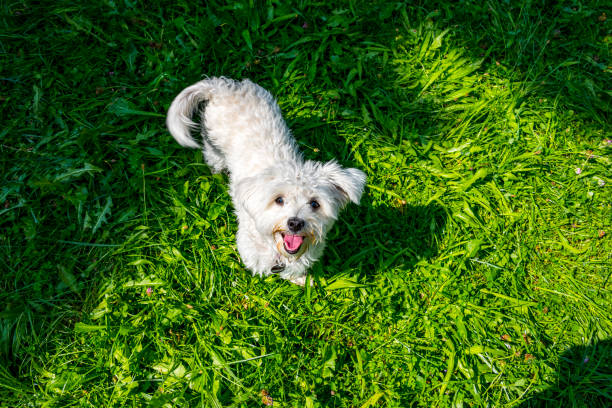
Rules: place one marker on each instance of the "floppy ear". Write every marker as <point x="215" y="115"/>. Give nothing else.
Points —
<point x="244" y="194"/>
<point x="348" y="183"/>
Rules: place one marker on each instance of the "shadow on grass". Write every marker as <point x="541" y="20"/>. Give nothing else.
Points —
<point x="584" y="379"/>
<point x="372" y="240"/>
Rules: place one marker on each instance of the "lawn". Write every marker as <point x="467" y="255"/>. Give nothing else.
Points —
<point x="475" y="272"/>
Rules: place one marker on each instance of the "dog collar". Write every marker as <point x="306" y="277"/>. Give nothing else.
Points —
<point x="278" y="268"/>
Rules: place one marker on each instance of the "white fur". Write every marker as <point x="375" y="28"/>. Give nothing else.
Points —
<point x="243" y="133"/>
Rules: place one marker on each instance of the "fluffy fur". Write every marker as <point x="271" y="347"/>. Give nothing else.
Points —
<point x="285" y="205"/>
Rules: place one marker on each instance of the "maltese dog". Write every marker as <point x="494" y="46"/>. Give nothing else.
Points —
<point x="285" y="205"/>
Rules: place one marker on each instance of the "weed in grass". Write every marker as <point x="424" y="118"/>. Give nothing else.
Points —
<point x="475" y="273"/>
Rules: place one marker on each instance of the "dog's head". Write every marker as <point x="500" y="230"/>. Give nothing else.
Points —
<point x="295" y="204"/>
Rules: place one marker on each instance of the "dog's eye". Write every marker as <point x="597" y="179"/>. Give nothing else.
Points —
<point x="279" y="201"/>
<point x="314" y="204"/>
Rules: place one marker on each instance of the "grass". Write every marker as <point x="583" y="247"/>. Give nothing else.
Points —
<point x="476" y="271"/>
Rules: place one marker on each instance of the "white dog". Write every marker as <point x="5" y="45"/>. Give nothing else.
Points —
<point x="285" y="205"/>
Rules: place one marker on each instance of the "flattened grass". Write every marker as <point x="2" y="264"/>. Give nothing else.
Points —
<point x="475" y="272"/>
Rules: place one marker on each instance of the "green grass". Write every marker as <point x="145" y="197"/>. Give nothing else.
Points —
<point x="476" y="272"/>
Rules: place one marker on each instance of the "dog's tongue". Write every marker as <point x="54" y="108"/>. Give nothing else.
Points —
<point x="293" y="242"/>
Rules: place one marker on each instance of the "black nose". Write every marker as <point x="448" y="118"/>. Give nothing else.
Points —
<point x="295" y="224"/>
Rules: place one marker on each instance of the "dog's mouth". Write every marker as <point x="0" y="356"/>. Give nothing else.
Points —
<point x="292" y="243"/>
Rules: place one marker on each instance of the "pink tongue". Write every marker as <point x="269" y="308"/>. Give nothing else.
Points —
<point x="293" y="242"/>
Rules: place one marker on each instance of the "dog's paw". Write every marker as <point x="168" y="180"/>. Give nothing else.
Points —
<point x="301" y="280"/>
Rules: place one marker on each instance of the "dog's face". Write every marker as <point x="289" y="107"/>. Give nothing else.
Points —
<point x="295" y="205"/>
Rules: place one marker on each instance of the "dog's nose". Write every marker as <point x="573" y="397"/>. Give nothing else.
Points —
<point x="295" y="224"/>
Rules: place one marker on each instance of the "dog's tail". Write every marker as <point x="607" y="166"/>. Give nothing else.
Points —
<point x="179" y="121"/>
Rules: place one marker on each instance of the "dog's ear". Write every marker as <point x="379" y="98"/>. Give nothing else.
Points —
<point x="244" y="193"/>
<point x="348" y="183"/>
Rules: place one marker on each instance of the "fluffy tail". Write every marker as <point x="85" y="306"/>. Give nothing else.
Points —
<point x="179" y="121"/>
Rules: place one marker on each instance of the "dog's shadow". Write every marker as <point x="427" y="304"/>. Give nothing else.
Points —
<point x="584" y="379"/>
<point x="378" y="238"/>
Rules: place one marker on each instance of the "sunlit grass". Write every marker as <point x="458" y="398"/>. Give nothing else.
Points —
<point x="476" y="271"/>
